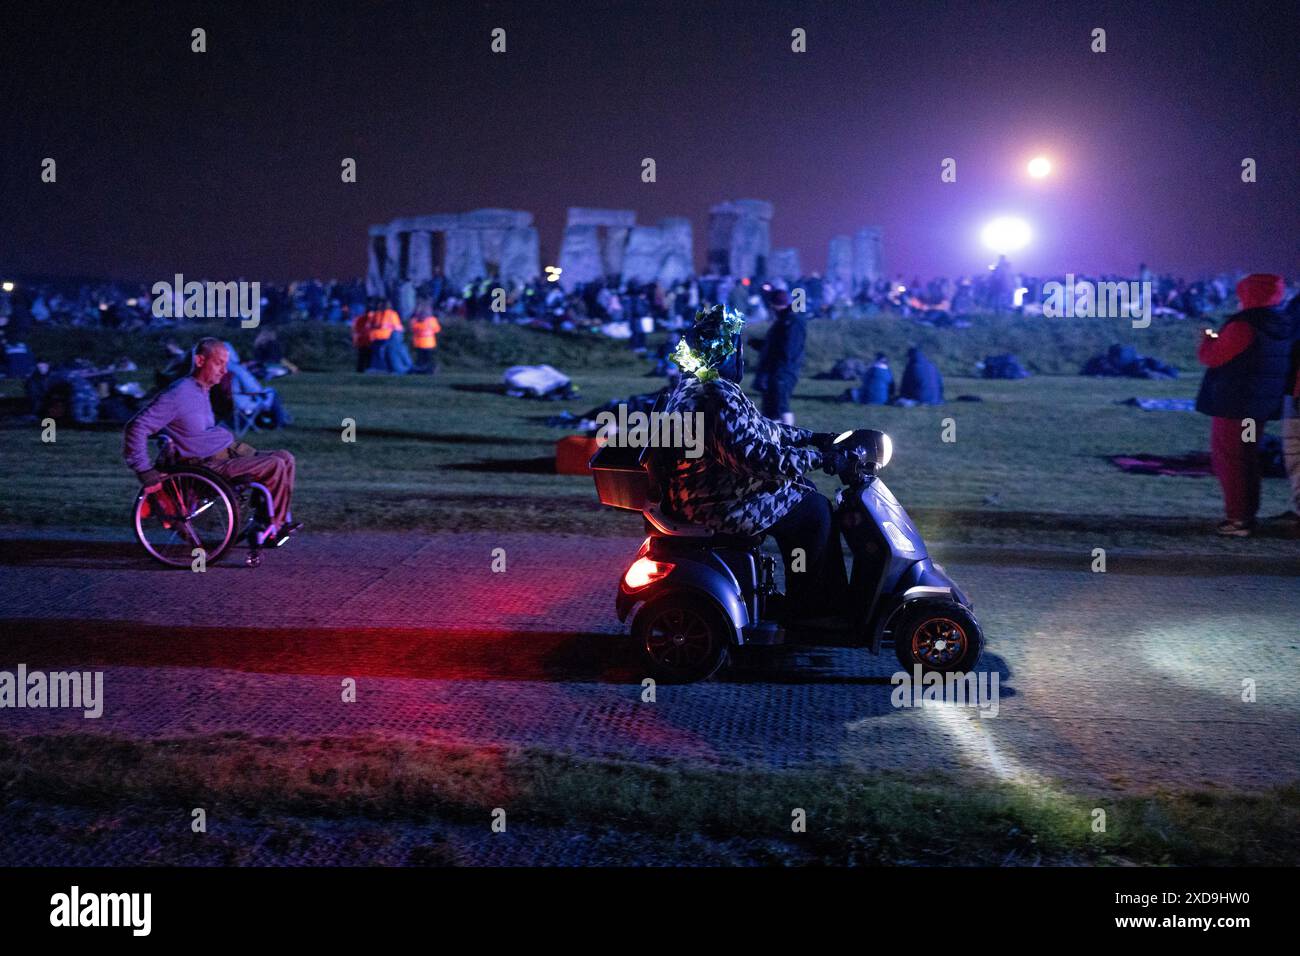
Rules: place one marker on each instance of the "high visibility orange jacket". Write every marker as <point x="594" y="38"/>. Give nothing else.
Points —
<point x="424" y="332"/>
<point x="383" y="325"/>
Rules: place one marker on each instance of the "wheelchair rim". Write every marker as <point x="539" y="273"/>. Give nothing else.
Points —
<point x="190" y="511"/>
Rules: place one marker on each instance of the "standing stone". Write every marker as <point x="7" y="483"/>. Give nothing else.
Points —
<point x="419" y="257"/>
<point x="614" y="249"/>
<point x="612" y="227"/>
<point x="490" y="243"/>
<point x="580" y="256"/>
<point x="464" y="257"/>
<point x="520" y="256"/>
<point x="839" y="268"/>
<point x="784" y="264"/>
<point x="868" y="263"/>
<point x="376" y="255"/>
<point x="661" y="253"/>
<point x="677" y="254"/>
<point x="740" y="238"/>
<point x="643" y="255"/>
<point x="393" y="264"/>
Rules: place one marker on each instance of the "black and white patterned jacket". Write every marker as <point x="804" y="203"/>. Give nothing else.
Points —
<point x="752" y="470"/>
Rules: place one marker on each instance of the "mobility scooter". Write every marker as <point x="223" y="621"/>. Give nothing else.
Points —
<point x="698" y="594"/>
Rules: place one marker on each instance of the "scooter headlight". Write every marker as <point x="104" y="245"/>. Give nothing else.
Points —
<point x="872" y="447"/>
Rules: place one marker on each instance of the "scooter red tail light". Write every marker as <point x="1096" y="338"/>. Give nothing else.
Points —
<point x="644" y="571"/>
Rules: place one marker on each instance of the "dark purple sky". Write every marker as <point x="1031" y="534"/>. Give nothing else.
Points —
<point x="226" y="164"/>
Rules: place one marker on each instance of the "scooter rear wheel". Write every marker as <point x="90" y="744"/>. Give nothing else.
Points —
<point x="681" y="638"/>
<point x="939" y="637"/>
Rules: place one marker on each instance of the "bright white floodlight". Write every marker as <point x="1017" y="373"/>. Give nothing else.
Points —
<point x="1006" y="234"/>
<point x="1039" y="167"/>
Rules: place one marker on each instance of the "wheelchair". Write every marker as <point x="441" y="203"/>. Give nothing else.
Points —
<point x="196" y="508"/>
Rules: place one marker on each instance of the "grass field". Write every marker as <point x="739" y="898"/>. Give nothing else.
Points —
<point x="1028" y="461"/>
<point x="289" y="787"/>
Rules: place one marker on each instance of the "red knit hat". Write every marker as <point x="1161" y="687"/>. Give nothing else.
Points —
<point x="1260" y="290"/>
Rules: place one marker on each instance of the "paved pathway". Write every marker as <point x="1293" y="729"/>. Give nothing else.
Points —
<point x="1128" y="680"/>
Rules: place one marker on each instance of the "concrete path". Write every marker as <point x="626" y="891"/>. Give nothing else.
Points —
<point x="1128" y="680"/>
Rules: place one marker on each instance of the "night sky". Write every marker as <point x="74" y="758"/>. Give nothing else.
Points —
<point x="226" y="164"/>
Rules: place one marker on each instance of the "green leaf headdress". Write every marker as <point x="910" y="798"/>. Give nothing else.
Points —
<point x="702" y="350"/>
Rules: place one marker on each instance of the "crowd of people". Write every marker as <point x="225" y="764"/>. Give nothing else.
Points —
<point x="620" y="309"/>
<point x="378" y="336"/>
<point x="1252" y="364"/>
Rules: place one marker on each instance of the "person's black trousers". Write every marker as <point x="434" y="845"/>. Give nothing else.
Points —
<point x="777" y="394"/>
<point x="815" y="581"/>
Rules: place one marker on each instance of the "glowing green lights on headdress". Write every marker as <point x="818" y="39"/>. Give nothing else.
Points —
<point x="710" y="342"/>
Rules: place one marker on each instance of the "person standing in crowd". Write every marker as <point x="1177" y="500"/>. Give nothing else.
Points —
<point x="361" y="326"/>
<point x="1245" y="378"/>
<point x="399" y="359"/>
<point x="782" y="357"/>
<point x="424" y="339"/>
<point x="384" y="322"/>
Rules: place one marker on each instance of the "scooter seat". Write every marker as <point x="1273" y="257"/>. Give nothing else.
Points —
<point x="665" y="524"/>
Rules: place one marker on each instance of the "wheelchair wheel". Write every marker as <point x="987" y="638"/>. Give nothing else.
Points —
<point x="195" y="508"/>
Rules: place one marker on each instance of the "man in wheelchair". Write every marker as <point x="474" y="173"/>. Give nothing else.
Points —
<point x="184" y="411"/>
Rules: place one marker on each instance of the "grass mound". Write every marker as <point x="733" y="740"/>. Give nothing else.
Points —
<point x="1045" y="346"/>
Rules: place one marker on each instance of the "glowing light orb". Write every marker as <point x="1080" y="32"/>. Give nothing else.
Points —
<point x="1006" y="234"/>
<point x="1039" y="167"/>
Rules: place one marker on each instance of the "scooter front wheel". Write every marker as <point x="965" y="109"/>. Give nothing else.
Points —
<point x="681" y="638"/>
<point x="939" y="637"/>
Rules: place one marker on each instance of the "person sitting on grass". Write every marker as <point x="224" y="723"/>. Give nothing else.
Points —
<point x="184" y="411"/>
<point x="251" y="397"/>
<point x="922" y="383"/>
<point x="268" y="357"/>
<point x="877" y="383"/>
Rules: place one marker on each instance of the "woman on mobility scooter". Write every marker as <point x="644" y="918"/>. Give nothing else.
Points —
<point x="751" y="481"/>
<point x="699" y="582"/>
